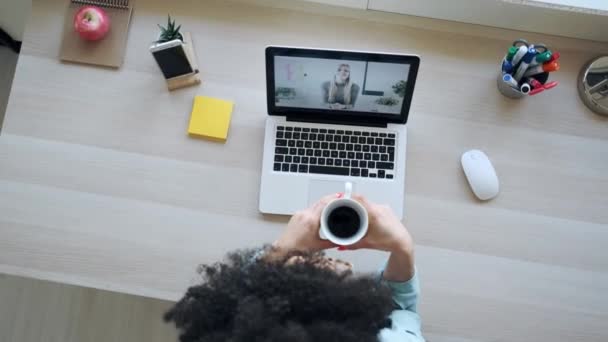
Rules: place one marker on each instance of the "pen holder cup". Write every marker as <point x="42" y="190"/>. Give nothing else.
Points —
<point x="511" y="92"/>
<point x="506" y="89"/>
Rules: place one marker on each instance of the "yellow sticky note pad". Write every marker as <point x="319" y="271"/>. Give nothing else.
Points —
<point x="210" y="118"/>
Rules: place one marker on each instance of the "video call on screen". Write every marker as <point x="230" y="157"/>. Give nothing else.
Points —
<point x="305" y="82"/>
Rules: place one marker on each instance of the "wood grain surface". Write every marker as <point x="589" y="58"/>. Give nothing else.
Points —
<point x="100" y="185"/>
<point x="33" y="310"/>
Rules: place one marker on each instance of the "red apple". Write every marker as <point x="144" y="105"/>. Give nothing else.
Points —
<point x="92" y="23"/>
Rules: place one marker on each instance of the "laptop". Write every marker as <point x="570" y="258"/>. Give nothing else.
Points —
<point x="335" y="117"/>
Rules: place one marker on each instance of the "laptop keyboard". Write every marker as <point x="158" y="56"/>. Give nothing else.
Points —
<point x="334" y="152"/>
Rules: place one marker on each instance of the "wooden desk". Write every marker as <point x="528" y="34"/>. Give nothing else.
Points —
<point x="100" y="186"/>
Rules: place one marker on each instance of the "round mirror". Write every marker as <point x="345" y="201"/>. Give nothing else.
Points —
<point x="593" y="85"/>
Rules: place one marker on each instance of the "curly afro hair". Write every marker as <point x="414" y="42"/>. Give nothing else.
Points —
<point x="242" y="299"/>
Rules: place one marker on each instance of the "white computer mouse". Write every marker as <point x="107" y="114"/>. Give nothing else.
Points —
<point x="480" y="174"/>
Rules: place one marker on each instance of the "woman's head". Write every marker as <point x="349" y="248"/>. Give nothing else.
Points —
<point x="342" y="77"/>
<point x="343" y="74"/>
<point x="285" y="299"/>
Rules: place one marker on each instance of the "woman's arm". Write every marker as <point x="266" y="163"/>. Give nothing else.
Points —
<point x="400" y="265"/>
<point x="325" y="91"/>
<point x="387" y="233"/>
<point x="354" y="92"/>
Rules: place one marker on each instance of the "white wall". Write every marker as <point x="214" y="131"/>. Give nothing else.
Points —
<point x="13" y="16"/>
<point x="597" y="5"/>
<point x="586" y="19"/>
<point x="524" y="15"/>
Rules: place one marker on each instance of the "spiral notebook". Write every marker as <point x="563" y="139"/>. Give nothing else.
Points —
<point x="109" y="51"/>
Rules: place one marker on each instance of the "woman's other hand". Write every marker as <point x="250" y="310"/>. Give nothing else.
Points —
<point x="337" y="106"/>
<point x="302" y="232"/>
<point x="385" y="231"/>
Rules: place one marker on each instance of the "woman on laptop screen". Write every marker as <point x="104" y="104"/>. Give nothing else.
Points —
<point x="340" y="92"/>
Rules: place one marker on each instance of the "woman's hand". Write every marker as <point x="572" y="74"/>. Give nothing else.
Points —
<point x="385" y="231"/>
<point x="302" y="232"/>
<point x="337" y="106"/>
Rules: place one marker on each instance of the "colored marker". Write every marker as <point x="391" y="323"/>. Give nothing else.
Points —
<point x="523" y="66"/>
<point x="554" y="57"/>
<point x="547" y="67"/>
<point x="521" y="52"/>
<point x="525" y="88"/>
<point x="545" y="86"/>
<point x="507" y="66"/>
<point x="550" y="85"/>
<point x="510" y="80"/>
<point x="541" y="58"/>
<point x="534" y="83"/>
<point x="537" y="87"/>
<point x="536" y="91"/>
<point x="512" y="51"/>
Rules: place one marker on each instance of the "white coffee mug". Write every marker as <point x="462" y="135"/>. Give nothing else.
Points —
<point x="346" y="201"/>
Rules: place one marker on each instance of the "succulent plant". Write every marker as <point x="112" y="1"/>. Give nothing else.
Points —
<point x="387" y="101"/>
<point x="399" y="88"/>
<point x="170" y="32"/>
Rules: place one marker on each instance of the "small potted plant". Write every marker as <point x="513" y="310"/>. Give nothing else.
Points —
<point x="170" y="32"/>
<point x="385" y="104"/>
<point x="284" y="93"/>
<point x="399" y="88"/>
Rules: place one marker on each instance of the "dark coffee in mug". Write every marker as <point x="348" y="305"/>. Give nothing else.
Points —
<point x="343" y="222"/>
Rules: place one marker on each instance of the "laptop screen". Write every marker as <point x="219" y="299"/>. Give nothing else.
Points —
<point x="341" y="82"/>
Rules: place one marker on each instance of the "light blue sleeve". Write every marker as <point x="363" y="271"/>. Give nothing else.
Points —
<point x="406" y="324"/>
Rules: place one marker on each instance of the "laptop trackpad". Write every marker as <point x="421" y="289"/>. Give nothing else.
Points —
<point x="320" y="188"/>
